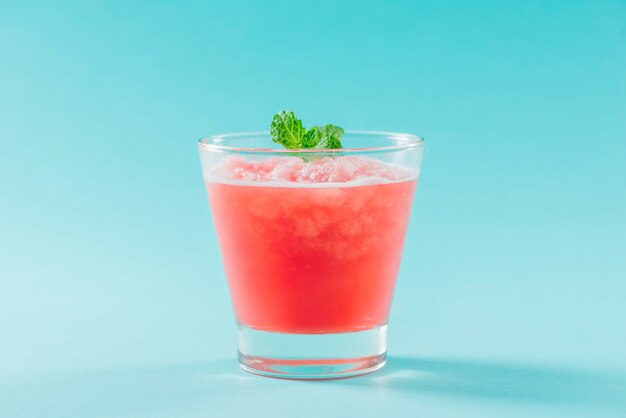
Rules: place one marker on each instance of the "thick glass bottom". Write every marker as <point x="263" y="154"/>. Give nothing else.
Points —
<point x="312" y="356"/>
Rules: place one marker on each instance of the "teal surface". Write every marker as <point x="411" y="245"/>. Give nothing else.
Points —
<point x="511" y="298"/>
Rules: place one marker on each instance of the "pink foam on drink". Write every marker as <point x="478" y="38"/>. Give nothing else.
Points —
<point x="323" y="170"/>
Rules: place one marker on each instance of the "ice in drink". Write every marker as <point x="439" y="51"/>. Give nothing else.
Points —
<point x="311" y="246"/>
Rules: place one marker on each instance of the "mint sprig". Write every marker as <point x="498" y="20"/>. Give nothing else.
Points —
<point x="286" y="129"/>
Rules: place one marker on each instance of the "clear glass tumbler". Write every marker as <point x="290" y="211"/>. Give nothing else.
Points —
<point x="311" y="242"/>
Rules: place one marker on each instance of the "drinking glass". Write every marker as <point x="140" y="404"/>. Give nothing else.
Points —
<point x="311" y="242"/>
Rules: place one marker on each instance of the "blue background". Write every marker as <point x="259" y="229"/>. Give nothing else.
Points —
<point x="511" y="298"/>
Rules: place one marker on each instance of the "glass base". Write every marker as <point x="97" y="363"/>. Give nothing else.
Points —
<point x="312" y="356"/>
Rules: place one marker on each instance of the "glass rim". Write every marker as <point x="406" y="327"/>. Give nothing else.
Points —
<point x="406" y="141"/>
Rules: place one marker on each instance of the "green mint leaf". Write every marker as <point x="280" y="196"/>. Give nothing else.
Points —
<point x="324" y="137"/>
<point x="312" y="137"/>
<point x="287" y="130"/>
